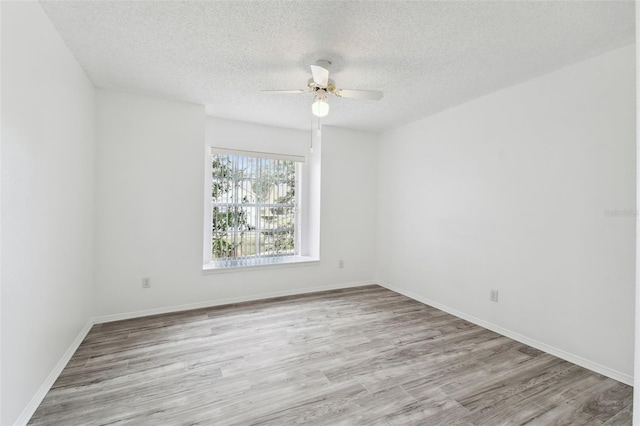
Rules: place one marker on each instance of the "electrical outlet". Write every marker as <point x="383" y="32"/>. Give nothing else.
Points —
<point x="340" y="264"/>
<point x="493" y="296"/>
<point x="146" y="282"/>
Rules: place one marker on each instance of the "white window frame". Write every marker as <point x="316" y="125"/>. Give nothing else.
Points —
<point x="301" y="256"/>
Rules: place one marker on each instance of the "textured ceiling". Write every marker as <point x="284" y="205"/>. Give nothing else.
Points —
<point x="424" y="56"/>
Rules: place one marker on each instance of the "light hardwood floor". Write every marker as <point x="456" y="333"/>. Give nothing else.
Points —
<point x="365" y="356"/>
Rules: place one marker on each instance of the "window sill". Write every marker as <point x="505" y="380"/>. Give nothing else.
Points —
<point x="285" y="262"/>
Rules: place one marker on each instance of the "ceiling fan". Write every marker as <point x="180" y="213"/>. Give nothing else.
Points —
<point x="320" y="85"/>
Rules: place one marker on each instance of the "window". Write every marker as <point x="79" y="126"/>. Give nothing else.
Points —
<point x="255" y="208"/>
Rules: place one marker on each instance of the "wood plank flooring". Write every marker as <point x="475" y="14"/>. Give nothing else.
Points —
<point x="362" y="356"/>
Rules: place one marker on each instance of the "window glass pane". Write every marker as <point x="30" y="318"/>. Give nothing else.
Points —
<point x="253" y="207"/>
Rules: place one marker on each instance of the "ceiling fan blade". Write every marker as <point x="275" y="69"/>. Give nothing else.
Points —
<point x="284" y="91"/>
<point x="369" y="95"/>
<point x="320" y="75"/>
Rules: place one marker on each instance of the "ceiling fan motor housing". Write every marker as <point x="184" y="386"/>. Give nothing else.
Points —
<point x="321" y="95"/>
<point x="331" y="87"/>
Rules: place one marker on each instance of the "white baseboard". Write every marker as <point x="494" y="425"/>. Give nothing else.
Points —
<point x="32" y="406"/>
<point x="219" y="302"/>
<point x="575" y="359"/>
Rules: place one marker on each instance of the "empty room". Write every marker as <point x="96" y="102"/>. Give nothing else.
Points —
<point x="317" y="212"/>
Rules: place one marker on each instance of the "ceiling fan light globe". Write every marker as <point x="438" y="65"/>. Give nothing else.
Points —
<point x="320" y="108"/>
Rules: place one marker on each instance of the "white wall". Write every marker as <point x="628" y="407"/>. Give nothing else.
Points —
<point x="510" y="192"/>
<point x="150" y="203"/>
<point x="636" y="377"/>
<point x="47" y="202"/>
